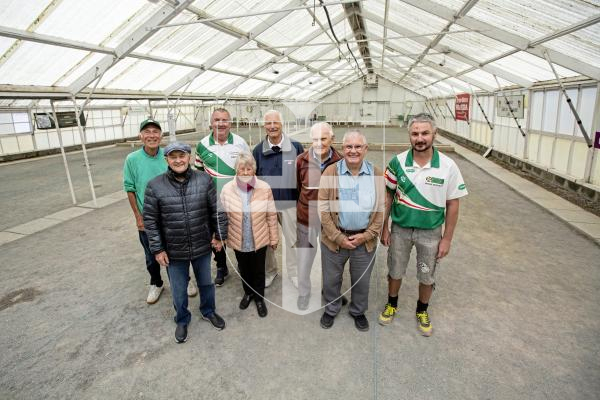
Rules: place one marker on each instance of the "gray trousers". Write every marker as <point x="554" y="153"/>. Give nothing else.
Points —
<point x="361" y="265"/>
<point x="306" y="250"/>
<point x="287" y="222"/>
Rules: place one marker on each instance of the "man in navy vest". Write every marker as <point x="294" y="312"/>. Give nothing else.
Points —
<point x="276" y="164"/>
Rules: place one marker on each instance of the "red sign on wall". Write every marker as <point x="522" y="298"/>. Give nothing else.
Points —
<point x="461" y="106"/>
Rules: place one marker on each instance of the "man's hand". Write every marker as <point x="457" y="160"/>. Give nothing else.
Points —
<point x="347" y="244"/>
<point x="216" y="244"/>
<point x="443" y="248"/>
<point x="386" y="236"/>
<point x="162" y="259"/>
<point x="139" y="221"/>
<point x="357" y="239"/>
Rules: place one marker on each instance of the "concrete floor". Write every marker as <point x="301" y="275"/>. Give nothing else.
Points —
<point x="515" y="312"/>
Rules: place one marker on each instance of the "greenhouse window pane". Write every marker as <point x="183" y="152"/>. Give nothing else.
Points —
<point x="550" y="111"/>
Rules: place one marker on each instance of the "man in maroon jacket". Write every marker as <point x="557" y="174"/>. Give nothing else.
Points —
<point x="309" y="166"/>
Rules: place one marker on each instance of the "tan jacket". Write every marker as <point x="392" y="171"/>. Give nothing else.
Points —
<point x="331" y="236"/>
<point x="263" y="215"/>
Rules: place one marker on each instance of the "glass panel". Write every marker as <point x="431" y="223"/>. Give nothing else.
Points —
<point x="537" y="104"/>
<point x="586" y="110"/>
<point x="22" y="127"/>
<point x="566" y="119"/>
<point x="550" y="110"/>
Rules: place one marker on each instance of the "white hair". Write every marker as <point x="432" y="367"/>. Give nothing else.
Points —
<point x="274" y="112"/>
<point x="353" y="133"/>
<point x="320" y="127"/>
<point x="247" y="159"/>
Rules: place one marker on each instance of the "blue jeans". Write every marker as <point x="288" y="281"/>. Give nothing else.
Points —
<point x="152" y="265"/>
<point x="179" y="275"/>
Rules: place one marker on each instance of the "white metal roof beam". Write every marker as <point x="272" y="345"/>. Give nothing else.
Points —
<point x="517" y="41"/>
<point x="73" y="44"/>
<point x="442" y="49"/>
<point x="140" y="35"/>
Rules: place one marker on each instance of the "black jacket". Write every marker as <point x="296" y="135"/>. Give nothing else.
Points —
<point x="181" y="217"/>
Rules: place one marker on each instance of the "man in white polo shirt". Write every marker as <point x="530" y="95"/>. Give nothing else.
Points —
<point x="216" y="154"/>
<point x="424" y="187"/>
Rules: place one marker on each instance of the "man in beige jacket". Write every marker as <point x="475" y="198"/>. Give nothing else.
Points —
<point x="351" y="205"/>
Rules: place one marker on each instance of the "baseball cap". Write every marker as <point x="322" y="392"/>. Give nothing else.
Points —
<point x="177" y="146"/>
<point x="149" y="121"/>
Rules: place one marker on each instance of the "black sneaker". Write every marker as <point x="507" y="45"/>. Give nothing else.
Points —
<point x="361" y="322"/>
<point x="215" y="319"/>
<point x="261" y="307"/>
<point x="326" y="321"/>
<point x="245" y="301"/>
<point x="221" y="277"/>
<point x="181" y="333"/>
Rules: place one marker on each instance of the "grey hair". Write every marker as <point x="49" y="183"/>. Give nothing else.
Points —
<point x="320" y="127"/>
<point x="219" y="109"/>
<point x="423" y="117"/>
<point x="274" y="112"/>
<point x="352" y="133"/>
<point x="245" y="158"/>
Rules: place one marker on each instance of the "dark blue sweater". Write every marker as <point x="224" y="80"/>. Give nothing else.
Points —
<point x="279" y="169"/>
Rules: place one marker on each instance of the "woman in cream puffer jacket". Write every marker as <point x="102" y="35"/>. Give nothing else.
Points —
<point x="248" y="202"/>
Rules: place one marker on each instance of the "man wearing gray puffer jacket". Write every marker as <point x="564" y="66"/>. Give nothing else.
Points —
<point x="183" y="221"/>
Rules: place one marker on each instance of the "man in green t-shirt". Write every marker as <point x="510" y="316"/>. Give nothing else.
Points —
<point x="140" y="167"/>
<point x="424" y="187"/>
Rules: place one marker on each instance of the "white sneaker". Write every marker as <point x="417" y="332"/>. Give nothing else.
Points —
<point x="269" y="279"/>
<point x="154" y="294"/>
<point x="294" y="280"/>
<point x="192" y="291"/>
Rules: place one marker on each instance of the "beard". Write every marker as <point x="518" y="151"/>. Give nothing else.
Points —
<point x="422" y="149"/>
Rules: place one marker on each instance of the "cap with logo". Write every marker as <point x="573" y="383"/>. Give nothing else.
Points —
<point x="177" y="146"/>
<point x="149" y="121"/>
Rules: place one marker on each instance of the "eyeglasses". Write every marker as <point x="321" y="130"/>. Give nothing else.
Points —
<point x="358" y="147"/>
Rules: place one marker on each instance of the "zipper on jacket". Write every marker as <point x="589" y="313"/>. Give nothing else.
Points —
<point x="187" y="221"/>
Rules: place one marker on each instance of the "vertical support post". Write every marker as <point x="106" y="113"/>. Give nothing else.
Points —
<point x="528" y="124"/>
<point x="171" y="123"/>
<point x="592" y="156"/>
<point x="83" y="148"/>
<point x="62" y="152"/>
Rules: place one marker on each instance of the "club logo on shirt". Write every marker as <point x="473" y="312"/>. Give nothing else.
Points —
<point x="462" y="186"/>
<point x="431" y="180"/>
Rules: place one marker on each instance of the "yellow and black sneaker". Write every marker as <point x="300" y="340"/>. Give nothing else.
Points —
<point x="424" y="324"/>
<point x="387" y="316"/>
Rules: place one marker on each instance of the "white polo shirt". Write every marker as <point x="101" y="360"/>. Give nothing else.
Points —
<point x="420" y="193"/>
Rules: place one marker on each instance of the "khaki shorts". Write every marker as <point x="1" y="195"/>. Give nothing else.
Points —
<point x="425" y="240"/>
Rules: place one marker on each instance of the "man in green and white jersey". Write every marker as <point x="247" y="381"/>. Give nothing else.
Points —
<point x="424" y="187"/>
<point x="216" y="154"/>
